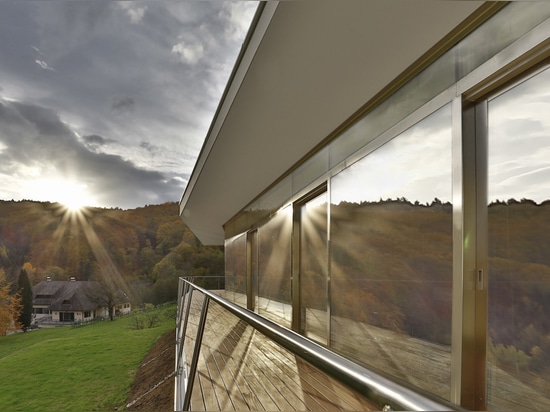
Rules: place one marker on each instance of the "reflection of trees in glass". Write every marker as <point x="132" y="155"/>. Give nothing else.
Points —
<point x="518" y="242"/>
<point x="392" y="266"/>
<point x="519" y="285"/>
<point x="235" y="264"/>
<point x="313" y="269"/>
<point x="274" y="260"/>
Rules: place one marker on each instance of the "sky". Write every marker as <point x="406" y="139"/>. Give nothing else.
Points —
<point x="416" y="165"/>
<point x="518" y="158"/>
<point x="519" y="134"/>
<point x="108" y="102"/>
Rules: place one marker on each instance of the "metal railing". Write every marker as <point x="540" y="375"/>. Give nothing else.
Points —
<point x="381" y="390"/>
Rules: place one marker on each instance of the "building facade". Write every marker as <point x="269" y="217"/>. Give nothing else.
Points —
<point x="74" y="301"/>
<point x="379" y="173"/>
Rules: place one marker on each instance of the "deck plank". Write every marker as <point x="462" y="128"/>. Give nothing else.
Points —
<point x="237" y="399"/>
<point x="208" y="389"/>
<point x="249" y="373"/>
<point x="236" y="343"/>
<point x="218" y="383"/>
<point x="287" y="365"/>
<point x="284" y="385"/>
<point x="333" y="389"/>
<point x="197" y="401"/>
<point x="240" y="369"/>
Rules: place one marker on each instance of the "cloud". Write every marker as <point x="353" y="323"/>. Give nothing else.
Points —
<point x="188" y="53"/>
<point x="123" y="104"/>
<point x="149" y="147"/>
<point x="238" y="16"/>
<point x="121" y="94"/>
<point x="134" y="11"/>
<point x="37" y="143"/>
<point x="43" y="65"/>
<point x="94" y="141"/>
<point x="36" y="49"/>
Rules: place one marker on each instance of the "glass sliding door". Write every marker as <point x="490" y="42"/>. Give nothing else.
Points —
<point x="518" y="341"/>
<point x="391" y="260"/>
<point x="313" y="268"/>
<point x="274" y="262"/>
<point x="235" y="269"/>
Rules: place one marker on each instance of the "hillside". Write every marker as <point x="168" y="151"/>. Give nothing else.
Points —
<point x="85" y="368"/>
<point x="148" y="247"/>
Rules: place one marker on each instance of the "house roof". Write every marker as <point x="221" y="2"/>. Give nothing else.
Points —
<point x="305" y="68"/>
<point x="67" y="295"/>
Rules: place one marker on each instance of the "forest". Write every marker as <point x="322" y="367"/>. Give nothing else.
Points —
<point x="148" y="248"/>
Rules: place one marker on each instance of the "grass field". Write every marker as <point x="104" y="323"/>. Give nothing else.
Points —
<point x="86" y="368"/>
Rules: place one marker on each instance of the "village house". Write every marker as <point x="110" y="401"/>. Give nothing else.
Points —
<point x="73" y="301"/>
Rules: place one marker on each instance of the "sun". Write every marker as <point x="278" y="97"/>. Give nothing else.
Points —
<point x="74" y="197"/>
<point x="74" y="203"/>
<point x="71" y="194"/>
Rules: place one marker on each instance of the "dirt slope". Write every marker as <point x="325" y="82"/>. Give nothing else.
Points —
<point x="156" y="369"/>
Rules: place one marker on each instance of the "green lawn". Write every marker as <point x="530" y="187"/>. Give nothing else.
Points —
<point x="87" y="368"/>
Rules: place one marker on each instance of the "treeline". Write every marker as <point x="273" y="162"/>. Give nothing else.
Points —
<point x="148" y="247"/>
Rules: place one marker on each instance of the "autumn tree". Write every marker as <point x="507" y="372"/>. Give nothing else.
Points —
<point x="24" y="291"/>
<point x="31" y="272"/>
<point x="10" y="307"/>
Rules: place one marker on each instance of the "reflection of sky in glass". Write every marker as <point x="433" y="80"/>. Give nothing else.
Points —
<point x="519" y="153"/>
<point x="416" y="165"/>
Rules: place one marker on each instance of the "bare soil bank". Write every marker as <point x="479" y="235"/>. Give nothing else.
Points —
<point x="153" y="389"/>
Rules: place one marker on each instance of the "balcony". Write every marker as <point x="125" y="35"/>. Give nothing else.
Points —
<point x="228" y="358"/>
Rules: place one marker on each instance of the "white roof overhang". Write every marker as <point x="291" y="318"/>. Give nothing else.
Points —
<point x="305" y="68"/>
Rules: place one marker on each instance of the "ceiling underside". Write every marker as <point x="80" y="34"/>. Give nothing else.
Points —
<point x="309" y="65"/>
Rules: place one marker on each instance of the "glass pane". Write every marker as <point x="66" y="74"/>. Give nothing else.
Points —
<point x="391" y="256"/>
<point x="477" y="48"/>
<point x="312" y="169"/>
<point x="518" y="354"/>
<point x="313" y="268"/>
<point x="498" y="33"/>
<point x="274" y="268"/>
<point x="235" y="269"/>
<point x="253" y="278"/>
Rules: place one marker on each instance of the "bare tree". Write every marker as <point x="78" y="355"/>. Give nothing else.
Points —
<point x="106" y="294"/>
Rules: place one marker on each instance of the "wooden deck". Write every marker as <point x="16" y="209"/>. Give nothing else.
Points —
<point x="240" y="369"/>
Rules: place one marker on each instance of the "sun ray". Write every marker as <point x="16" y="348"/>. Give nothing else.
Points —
<point x="109" y="273"/>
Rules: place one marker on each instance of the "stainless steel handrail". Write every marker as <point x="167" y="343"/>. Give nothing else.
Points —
<point x="379" y="389"/>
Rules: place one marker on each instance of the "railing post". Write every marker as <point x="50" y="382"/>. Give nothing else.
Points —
<point x="196" y="353"/>
<point x="180" y="338"/>
<point x="183" y="289"/>
<point x="181" y="293"/>
<point x="187" y="310"/>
